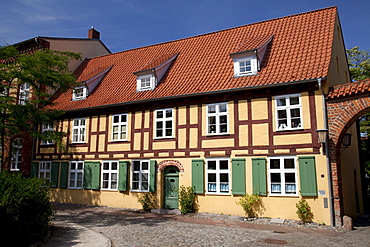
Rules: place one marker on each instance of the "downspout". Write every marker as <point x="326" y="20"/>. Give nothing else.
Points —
<point x="325" y="115"/>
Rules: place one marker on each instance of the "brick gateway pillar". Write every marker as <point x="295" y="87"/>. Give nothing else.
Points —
<point x="345" y="104"/>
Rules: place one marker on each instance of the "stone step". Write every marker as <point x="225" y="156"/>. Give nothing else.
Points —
<point x="165" y="211"/>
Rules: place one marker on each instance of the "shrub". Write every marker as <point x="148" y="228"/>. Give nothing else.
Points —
<point x="304" y="211"/>
<point x="147" y="201"/>
<point x="25" y="209"/>
<point x="252" y="204"/>
<point x="187" y="199"/>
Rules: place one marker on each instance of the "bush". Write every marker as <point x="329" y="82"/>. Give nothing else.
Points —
<point x="252" y="204"/>
<point x="147" y="201"/>
<point x="25" y="209"/>
<point x="187" y="199"/>
<point x="304" y="211"/>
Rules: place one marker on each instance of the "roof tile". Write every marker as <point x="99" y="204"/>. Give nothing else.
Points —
<point x="348" y="89"/>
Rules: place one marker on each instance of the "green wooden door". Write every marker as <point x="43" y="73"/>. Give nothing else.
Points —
<point x="171" y="187"/>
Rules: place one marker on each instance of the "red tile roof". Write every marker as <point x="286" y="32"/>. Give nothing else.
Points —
<point x="300" y="50"/>
<point x="348" y="89"/>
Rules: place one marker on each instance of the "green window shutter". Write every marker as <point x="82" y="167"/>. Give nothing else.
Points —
<point x="54" y="174"/>
<point x="238" y="176"/>
<point x="307" y="175"/>
<point x="122" y="176"/>
<point x="259" y="176"/>
<point x="34" y="170"/>
<point x="63" y="175"/>
<point x="197" y="175"/>
<point x="91" y="175"/>
<point x="152" y="176"/>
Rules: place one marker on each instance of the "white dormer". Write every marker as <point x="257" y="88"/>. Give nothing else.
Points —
<point x="151" y="74"/>
<point x="249" y="55"/>
<point x="79" y="93"/>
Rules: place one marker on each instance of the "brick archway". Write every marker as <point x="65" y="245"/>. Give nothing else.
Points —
<point x="345" y="104"/>
<point x="166" y="163"/>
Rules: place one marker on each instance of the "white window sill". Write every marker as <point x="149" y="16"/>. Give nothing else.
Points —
<point x="290" y="129"/>
<point x="283" y="195"/>
<point x="218" y="194"/>
<point x="142" y="191"/>
<point x="123" y="140"/>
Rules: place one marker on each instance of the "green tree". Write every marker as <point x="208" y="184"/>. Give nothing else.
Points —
<point x="44" y="72"/>
<point x="359" y="63"/>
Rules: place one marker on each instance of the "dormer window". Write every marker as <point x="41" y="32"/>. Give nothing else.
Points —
<point x="245" y="66"/>
<point x="146" y="82"/>
<point x="79" y="93"/>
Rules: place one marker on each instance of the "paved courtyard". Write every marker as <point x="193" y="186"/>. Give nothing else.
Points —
<point x="76" y="225"/>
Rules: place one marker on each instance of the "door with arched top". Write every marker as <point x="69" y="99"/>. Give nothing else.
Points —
<point x="171" y="187"/>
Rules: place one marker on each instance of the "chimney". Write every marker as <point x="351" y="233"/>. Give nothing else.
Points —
<point x="93" y="34"/>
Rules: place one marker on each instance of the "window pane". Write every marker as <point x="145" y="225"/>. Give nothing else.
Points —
<point x="105" y="176"/>
<point x="135" y="177"/>
<point x="135" y="185"/>
<point x="223" y="119"/>
<point x="169" y="113"/>
<point x="114" y="177"/>
<point x="145" y="165"/>
<point x="275" y="178"/>
<point x="281" y="102"/>
<point x="159" y="133"/>
<point x="144" y="186"/>
<point x="224" y="165"/>
<point x="144" y="177"/>
<point x="114" y="165"/>
<point x="274" y="164"/>
<point x="224" y="177"/>
<point x="289" y="163"/>
<point x="211" y="109"/>
<point x="294" y="100"/>
<point x="159" y="114"/>
<point x="115" y="119"/>
<point x="80" y="165"/>
<point x="211" y="177"/>
<point x="223" y="108"/>
<point x="123" y="118"/>
<point x="296" y="123"/>
<point x="211" y="165"/>
<point x="105" y="166"/>
<point x="136" y="165"/>
<point x="168" y="124"/>
<point x="282" y="114"/>
<point x="289" y="178"/>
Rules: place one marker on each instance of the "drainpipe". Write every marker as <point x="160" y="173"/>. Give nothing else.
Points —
<point x="325" y="113"/>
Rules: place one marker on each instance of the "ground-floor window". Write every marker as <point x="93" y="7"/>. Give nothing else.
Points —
<point x="110" y="175"/>
<point x="45" y="171"/>
<point x="282" y="175"/>
<point x="76" y="173"/>
<point x="218" y="176"/>
<point x="16" y="154"/>
<point x="140" y="171"/>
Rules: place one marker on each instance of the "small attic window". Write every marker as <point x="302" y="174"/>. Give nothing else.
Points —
<point x="79" y="93"/>
<point x="245" y="66"/>
<point x="146" y="82"/>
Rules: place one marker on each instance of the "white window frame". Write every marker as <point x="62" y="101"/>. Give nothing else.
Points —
<point x="24" y="93"/>
<point x="79" y="130"/>
<point x="221" y="188"/>
<point x="138" y="176"/>
<point x="79" y="93"/>
<point x="149" y="84"/>
<point x="282" y="171"/>
<point x="45" y="171"/>
<point x="163" y="121"/>
<point x="109" y="175"/>
<point x="289" y="122"/>
<point x="16" y="154"/>
<point x="119" y="127"/>
<point x="78" y="169"/>
<point x="44" y="128"/>
<point x="217" y="115"/>
<point x="238" y="67"/>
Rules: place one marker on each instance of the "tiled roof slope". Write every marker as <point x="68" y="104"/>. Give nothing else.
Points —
<point x="300" y="50"/>
<point x="348" y="89"/>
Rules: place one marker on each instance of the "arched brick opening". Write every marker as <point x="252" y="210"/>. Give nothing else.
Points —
<point x="166" y="163"/>
<point x="344" y="109"/>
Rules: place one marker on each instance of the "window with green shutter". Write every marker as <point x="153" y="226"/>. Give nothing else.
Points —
<point x="197" y="172"/>
<point x="307" y="176"/>
<point x="238" y="177"/>
<point x="34" y="169"/>
<point x="259" y="176"/>
<point x="152" y="179"/>
<point x="122" y="175"/>
<point x="91" y="175"/>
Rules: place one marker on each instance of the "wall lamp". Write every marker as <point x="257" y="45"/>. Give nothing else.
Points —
<point x="322" y="135"/>
<point x="347" y="140"/>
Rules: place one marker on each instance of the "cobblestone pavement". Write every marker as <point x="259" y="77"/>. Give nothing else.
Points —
<point x="76" y="225"/>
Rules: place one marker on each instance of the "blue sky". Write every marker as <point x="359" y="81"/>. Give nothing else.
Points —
<point x="126" y="24"/>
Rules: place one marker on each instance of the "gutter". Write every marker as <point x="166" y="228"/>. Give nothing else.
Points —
<point x="325" y="115"/>
<point x="194" y="94"/>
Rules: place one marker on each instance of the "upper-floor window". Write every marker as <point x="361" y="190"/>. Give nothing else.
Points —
<point x="245" y="66"/>
<point x="110" y="175"/>
<point x="79" y="93"/>
<point x="16" y="154"/>
<point x="119" y="127"/>
<point x="24" y="93"/>
<point x="45" y="128"/>
<point x="45" y="171"/>
<point x="164" y="123"/>
<point x="140" y="175"/>
<point x="79" y="130"/>
<point x="76" y="172"/>
<point x="282" y="176"/>
<point x="218" y="176"/>
<point x="289" y="112"/>
<point x="217" y="118"/>
<point x="146" y="82"/>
